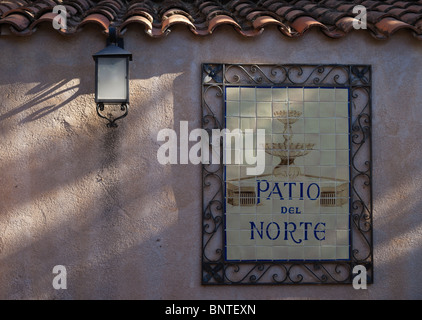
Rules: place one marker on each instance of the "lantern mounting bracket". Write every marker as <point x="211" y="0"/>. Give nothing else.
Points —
<point x="124" y="107"/>
<point x="114" y="39"/>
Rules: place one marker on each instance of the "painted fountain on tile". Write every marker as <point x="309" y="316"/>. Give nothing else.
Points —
<point x="298" y="208"/>
<point x="288" y="151"/>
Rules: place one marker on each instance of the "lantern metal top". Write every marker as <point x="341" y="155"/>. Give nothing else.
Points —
<point x="112" y="51"/>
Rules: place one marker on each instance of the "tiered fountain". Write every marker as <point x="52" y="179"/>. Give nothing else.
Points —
<point x="288" y="151"/>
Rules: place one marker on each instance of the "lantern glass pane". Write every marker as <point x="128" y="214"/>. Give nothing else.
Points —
<point x="112" y="79"/>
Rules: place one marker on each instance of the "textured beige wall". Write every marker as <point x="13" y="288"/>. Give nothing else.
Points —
<point x="76" y="193"/>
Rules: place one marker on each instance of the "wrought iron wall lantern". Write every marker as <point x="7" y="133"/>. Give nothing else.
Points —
<point x="112" y="79"/>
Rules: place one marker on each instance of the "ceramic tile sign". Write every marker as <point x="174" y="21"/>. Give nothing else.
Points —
<point x="298" y="208"/>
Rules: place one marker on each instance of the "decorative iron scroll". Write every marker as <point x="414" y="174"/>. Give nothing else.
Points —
<point x="357" y="79"/>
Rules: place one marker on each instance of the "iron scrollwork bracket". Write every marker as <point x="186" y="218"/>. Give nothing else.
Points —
<point x="124" y="108"/>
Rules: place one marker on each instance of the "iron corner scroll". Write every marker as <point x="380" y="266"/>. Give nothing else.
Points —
<point x="216" y="270"/>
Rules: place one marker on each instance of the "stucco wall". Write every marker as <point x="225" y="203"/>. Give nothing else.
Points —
<point x="76" y="193"/>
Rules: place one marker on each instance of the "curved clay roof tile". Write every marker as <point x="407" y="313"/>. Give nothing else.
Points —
<point x="391" y="25"/>
<point x="221" y="20"/>
<point x="345" y="24"/>
<point x="263" y="21"/>
<point x="19" y="21"/>
<point x="302" y="24"/>
<point x="96" y="18"/>
<point x="176" y="19"/>
<point x="139" y="19"/>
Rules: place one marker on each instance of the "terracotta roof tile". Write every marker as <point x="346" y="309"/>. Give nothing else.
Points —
<point x="96" y="18"/>
<point x="330" y="18"/>
<point x="401" y="4"/>
<point x="176" y="19"/>
<point x="141" y="19"/>
<point x="415" y="8"/>
<point x="46" y="17"/>
<point x="346" y="7"/>
<point x="410" y="18"/>
<point x="221" y="20"/>
<point x="283" y="10"/>
<point x="293" y="18"/>
<point x="345" y="24"/>
<point x="418" y="25"/>
<point x="18" y="21"/>
<point x="375" y="16"/>
<point x="319" y="11"/>
<point x="302" y="24"/>
<point x="391" y="25"/>
<point x="262" y="21"/>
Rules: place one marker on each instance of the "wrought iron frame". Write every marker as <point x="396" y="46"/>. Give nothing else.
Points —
<point x="357" y="78"/>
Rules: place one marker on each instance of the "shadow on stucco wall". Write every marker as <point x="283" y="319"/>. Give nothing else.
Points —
<point x="49" y="93"/>
<point x="95" y="199"/>
<point x="79" y="194"/>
